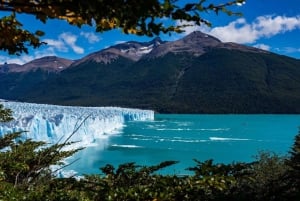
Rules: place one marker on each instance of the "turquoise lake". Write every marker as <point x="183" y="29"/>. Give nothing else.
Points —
<point x="223" y="138"/>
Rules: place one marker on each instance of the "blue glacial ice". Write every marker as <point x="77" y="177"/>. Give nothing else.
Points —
<point x="52" y="124"/>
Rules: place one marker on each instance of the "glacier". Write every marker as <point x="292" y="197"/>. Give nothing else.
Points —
<point x="54" y="124"/>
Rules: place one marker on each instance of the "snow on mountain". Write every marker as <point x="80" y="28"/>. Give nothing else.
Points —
<point x="196" y="43"/>
<point x="54" y="124"/>
<point x="131" y="50"/>
<point x="137" y="52"/>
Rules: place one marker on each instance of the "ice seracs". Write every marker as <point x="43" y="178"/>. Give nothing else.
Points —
<point x="54" y="124"/>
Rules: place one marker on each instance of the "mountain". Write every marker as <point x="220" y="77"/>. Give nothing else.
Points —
<point x="195" y="74"/>
<point x="16" y="80"/>
<point x="130" y="50"/>
<point x="49" y="63"/>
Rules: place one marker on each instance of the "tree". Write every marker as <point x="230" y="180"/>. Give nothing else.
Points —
<point x="295" y="158"/>
<point x="140" y="17"/>
<point x="25" y="168"/>
<point x="264" y="178"/>
<point x="5" y="114"/>
<point x="294" y="174"/>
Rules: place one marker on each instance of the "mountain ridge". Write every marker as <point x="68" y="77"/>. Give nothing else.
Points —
<point x="47" y="63"/>
<point x="134" y="51"/>
<point x="195" y="74"/>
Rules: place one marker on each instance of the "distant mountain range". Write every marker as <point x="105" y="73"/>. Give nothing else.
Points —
<point x="195" y="74"/>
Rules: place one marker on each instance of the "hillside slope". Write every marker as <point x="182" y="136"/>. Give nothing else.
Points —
<point x="206" y="77"/>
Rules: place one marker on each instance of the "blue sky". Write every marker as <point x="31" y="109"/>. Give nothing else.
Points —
<point x="273" y="25"/>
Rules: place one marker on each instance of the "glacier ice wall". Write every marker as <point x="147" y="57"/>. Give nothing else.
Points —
<point x="52" y="124"/>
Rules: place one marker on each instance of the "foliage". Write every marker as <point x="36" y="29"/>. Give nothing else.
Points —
<point x="25" y="167"/>
<point x="131" y="182"/>
<point x="13" y="37"/>
<point x="293" y="176"/>
<point x="26" y="174"/>
<point x="213" y="179"/>
<point x="31" y="161"/>
<point x="262" y="179"/>
<point x="5" y="114"/>
<point x="295" y="157"/>
<point x="138" y="17"/>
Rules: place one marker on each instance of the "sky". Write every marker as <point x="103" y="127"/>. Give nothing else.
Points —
<point x="272" y="25"/>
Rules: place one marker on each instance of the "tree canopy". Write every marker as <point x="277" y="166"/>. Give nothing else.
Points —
<point x="140" y="17"/>
<point x="5" y="114"/>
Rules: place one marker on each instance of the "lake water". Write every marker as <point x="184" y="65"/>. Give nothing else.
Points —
<point x="224" y="138"/>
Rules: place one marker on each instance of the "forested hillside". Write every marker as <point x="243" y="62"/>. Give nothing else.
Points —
<point x="196" y="74"/>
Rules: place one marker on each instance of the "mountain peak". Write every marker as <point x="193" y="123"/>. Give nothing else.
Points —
<point x="48" y="63"/>
<point x="156" y="41"/>
<point x="131" y="50"/>
<point x="195" y="43"/>
<point x="198" y="36"/>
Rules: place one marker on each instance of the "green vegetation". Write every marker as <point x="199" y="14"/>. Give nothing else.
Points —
<point x="26" y="174"/>
<point x="219" y="81"/>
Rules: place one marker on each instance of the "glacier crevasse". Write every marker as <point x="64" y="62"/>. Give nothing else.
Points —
<point x="52" y="123"/>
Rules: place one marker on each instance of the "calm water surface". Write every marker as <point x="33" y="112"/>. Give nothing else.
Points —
<point x="224" y="138"/>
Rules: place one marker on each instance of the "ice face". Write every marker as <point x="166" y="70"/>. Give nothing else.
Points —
<point x="54" y="124"/>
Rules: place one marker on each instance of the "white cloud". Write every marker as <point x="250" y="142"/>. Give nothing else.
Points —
<point x="27" y="58"/>
<point x="190" y="27"/>
<point x="267" y="26"/>
<point x="71" y="39"/>
<point x="91" y="37"/>
<point x="16" y="60"/>
<point x="64" y="42"/>
<point x="289" y="50"/>
<point x="57" y="44"/>
<point x="50" y="51"/>
<point x="262" y="46"/>
<point x="241" y="31"/>
<point x="263" y="27"/>
<point x="238" y="31"/>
